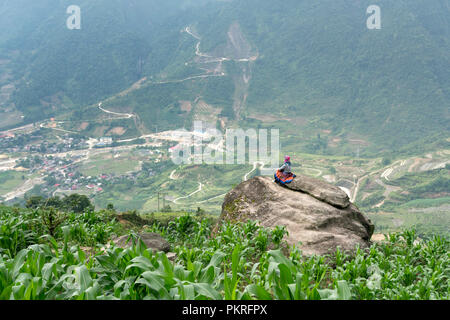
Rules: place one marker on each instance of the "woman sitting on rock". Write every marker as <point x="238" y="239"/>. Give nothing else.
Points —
<point x="284" y="174"/>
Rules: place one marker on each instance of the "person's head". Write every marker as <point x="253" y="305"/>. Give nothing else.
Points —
<point x="287" y="158"/>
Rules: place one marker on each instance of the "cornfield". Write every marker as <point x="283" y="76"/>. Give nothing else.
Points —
<point x="240" y="262"/>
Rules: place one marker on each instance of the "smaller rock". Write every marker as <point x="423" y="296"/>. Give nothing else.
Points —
<point x="171" y="256"/>
<point x="152" y="240"/>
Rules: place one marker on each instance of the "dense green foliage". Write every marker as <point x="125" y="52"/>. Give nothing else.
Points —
<point x="21" y="228"/>
<point x="73" y="203"/>
<point x="242" y="261"/>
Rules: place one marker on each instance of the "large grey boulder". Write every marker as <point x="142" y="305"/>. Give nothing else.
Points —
<point x="317" y="214"/>
<point x="152" y="240"/>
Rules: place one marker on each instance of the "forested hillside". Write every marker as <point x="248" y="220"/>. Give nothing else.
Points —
<point x="319" y="59"/>
<point x="315" y="61"/>
<point x="57" y="67"/>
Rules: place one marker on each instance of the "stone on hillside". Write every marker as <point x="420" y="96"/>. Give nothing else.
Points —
<point x="171" y="256"/>
<point x="315" y="213"/>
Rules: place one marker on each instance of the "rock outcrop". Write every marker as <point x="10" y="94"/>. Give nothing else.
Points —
<point x="152" y="240"/>
<point x="315" y="213"/>
<point x="320" y="190"/>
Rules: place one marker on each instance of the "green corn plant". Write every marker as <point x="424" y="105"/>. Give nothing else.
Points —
<point x="342" y="292"/>
<point x="232" y="264"/>
<point x="277" y="235"/>
<point x="231" y="285"/>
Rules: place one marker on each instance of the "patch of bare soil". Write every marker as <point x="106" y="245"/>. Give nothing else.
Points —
<point x="117" y="131"/>
<point x="329" y="178"/>
<point x="206" y="113"/>
<point x="274" y="118"/>
<point x="100" y="131"/>
<point x="237" y="43"/>
<point x="185" y="105"/>
<point x="384" y="213"/>
<point x="416" y="162"/>
<point x="333" y="142"/>
<point x="83" y="126"/>
<point x="135" y="86"/>
<point x="371" y="186"/>
<point x="365" y="195"/>
<point x="437" y="195"/>
<point x="359" y="142"/>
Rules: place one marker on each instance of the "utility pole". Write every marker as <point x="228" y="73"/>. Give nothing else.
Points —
<point x="158" y="201"/>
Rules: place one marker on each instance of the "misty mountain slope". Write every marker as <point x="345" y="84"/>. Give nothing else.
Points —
<point x="298" y="59"/>
<point x="320" y="59"/>
<point x="64" y="68"/>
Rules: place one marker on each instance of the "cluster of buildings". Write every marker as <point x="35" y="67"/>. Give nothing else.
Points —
<point x="12" y="143"/>
<point x="65" y="179"/>
<point x="104" y="142"/>
<point x="57" y="165"/>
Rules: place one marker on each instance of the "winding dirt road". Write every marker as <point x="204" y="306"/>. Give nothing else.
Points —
<point x="200" y="186"/>
<point x="255" y="165"/>
<point x="171" y="177"/>
<point x="121" y="115"/>
<point x="27" y="186"/>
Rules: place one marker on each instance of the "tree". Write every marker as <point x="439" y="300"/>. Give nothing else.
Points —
<point x="51" y="180"/>
<point x="54" y="202"/>
<point x="52" y="219"/>
<point x="34" y="202"/>
<point x="386" y="161"/>
<point x="77" y="203"/>
<point x="200" y="212"/>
